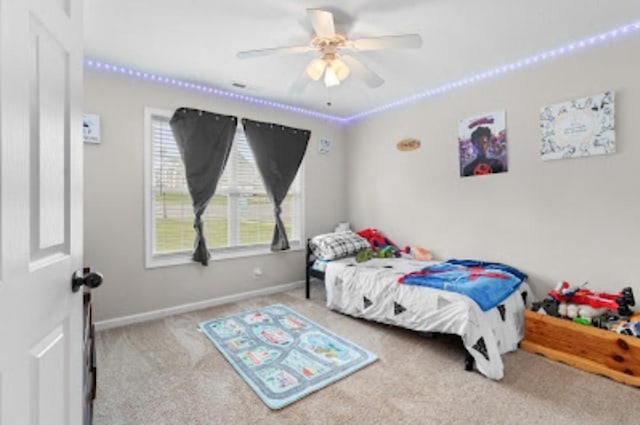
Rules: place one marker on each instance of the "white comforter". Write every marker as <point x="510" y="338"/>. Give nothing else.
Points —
<point x="371" y="290"/>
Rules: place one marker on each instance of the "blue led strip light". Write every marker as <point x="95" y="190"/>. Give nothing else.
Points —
<point x="91" y="63"/>
<point x="541" y="57"/>
<point x="523" y="63"/>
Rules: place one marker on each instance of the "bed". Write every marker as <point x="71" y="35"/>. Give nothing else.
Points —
<point x="371" y="290"/>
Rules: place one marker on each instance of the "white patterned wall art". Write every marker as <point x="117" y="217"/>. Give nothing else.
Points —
<point x="578" y="128"/>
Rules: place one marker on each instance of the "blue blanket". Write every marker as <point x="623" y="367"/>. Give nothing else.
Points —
<point x="488" y="284"/>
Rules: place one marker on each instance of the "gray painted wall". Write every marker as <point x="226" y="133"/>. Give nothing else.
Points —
<point x="575" y="219"/>
<point x="114" y="201"/>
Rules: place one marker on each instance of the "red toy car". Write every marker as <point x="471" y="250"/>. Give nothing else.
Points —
<point x="620" y="301"/>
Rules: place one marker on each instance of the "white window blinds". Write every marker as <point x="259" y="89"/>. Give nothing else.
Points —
<point x="240" y="214"/>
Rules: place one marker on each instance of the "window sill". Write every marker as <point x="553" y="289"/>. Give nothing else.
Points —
<point x="183" y="258"/>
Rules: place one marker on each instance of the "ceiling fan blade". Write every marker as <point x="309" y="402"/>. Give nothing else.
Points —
<point x="406" y="41"/>
<point x="274" y="50"/>
<point x="322" y="22"/>
<point x="358" y="69"/>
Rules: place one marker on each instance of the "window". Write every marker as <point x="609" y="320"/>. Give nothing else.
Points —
<point x="239" y="219"/>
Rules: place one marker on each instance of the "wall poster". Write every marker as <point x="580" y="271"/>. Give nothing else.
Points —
<point x="482" y="144"/>
<point x="91" y="128"/>
<point x="581" y="127"/>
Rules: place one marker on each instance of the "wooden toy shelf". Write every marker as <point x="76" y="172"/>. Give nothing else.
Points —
<point x="591" y="349"/>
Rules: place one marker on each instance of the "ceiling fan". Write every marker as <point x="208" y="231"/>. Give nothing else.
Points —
<point x="333" y="64"/>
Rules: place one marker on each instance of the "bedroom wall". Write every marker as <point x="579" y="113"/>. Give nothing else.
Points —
<point x="574" y="219"/>
<point x="114" y="201"/>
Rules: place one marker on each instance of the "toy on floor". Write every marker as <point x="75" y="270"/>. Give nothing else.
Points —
<point x="631" y="328"/>
<point x="598" y="301"/>
<point x="548" y="306"/>
<point x="606" y="321"/>
<point x="599" y="309"/>
<point x="573" y="311"/>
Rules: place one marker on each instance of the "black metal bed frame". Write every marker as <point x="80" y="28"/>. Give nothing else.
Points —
<point x="309" y="259"/>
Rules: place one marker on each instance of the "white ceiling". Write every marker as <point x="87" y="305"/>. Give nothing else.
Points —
<point x="197" y="40"/>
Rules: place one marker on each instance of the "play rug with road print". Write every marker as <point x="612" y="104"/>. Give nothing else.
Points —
<point x="282" y="355"/>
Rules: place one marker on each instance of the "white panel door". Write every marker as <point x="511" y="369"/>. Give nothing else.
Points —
<point x="40" y="212"/>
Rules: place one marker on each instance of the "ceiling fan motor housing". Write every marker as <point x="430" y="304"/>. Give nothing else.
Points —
<point x="329" y="45"/>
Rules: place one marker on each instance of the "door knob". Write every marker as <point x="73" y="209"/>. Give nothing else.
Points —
<point x="85" y="277"/>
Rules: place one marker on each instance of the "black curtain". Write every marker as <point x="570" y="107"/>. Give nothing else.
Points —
<point x="278" y="151"/>
<point x="204" y="140"/>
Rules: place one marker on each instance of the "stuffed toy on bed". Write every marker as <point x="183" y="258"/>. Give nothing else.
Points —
<point x="421" y="253"/>
<point x="378" y="241"/>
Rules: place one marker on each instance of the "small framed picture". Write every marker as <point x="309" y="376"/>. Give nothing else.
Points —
<point x="324" y="145"/>
<point x="91" y="128"/>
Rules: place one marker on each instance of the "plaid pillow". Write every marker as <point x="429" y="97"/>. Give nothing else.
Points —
<point x="331" y="246"/>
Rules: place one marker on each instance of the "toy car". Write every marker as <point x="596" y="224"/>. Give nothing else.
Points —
<point x="620" y="301"/>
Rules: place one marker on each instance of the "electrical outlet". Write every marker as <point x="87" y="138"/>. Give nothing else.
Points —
<point x="257" y="272"/>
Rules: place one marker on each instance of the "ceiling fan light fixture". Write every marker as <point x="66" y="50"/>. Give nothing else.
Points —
<point x="316" y="69"/>
<point x="330" y="77"/>
<point x="341" y="69"/>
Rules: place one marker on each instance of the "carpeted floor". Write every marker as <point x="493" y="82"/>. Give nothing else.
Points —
<point x="166" y="372"/>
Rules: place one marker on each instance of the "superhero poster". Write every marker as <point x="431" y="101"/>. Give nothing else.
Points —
<point x="482" y="143"/>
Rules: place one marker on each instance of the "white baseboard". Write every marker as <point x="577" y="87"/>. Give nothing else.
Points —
<point x="184" y="308"/>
